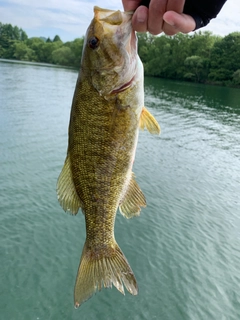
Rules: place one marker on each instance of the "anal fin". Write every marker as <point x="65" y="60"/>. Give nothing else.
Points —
<point x="148" y="121"/>
<point x="133" y="200"/>
<point x="67" y="195"/>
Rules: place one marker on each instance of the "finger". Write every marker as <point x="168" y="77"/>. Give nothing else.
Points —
<point x="130" y="5"/>
<point x="140" y="19"/>
<point x="175" y="5"/>
<point x="155" y="16"/>
<point x="174" y="23"/>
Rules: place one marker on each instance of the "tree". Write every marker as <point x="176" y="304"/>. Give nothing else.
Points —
<point x="62" y="56"/>
<point x="145" y="40"/>
<point x="43" y="50"/>
<point x="37" y="45"/>
<point x="23" y="52"/>
<point x="201" y="43"/>
<point x="196" y="68"/>
<point x="8" y="33"/>
<point x="8" y="36"/>
<point x="236" y="77"/>
<point x="224" y="58"/>
<point x="57" y="38"/>
<point x="157" y="54"/>
<point x="23" y="35"/>
<point x="76" y="47"/>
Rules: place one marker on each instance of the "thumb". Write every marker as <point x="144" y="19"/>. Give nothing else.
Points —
<point x="177" y="22"/>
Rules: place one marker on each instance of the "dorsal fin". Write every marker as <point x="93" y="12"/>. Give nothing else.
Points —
<point x="148" y="121"/>
<point x="133" y="200"/>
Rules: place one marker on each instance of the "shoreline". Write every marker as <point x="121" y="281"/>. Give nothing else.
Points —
<point x="40" y="64"/>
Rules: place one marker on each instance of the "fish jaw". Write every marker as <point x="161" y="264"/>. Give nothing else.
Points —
<point x="112" y="63"/>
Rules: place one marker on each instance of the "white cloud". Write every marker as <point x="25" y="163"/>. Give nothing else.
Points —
<point x="70" y="17"/>
<point x="227" y="20"/>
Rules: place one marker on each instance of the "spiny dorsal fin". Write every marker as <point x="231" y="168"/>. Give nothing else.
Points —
<point x="148" y="121"/>
<point x="133" y="200"/>
<point x="67" y="195"/>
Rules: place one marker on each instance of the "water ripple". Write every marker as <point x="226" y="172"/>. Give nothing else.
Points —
<point x="184" y="247"/>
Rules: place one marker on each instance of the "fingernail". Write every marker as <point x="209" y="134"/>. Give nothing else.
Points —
<point x="170" y="22"/>
<point x="141" y="16"/>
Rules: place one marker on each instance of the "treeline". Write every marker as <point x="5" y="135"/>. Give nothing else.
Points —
<point x="199" y="57"/>
<point x="15" y="44"/>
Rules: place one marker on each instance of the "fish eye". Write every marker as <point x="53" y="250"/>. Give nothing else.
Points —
<point x="93" y="42"/>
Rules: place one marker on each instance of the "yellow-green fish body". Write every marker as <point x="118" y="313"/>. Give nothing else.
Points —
<point x="107" y="111"/>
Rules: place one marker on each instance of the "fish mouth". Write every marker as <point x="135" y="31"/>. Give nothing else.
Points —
<point x="111" y="16"/>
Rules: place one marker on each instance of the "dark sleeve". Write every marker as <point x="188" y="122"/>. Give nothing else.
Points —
<point x="203" y="11"/>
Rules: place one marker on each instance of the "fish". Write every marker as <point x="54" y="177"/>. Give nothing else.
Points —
<point x="106" y="115"/>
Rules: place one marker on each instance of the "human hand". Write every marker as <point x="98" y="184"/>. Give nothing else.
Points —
<point x="161" y="16"/>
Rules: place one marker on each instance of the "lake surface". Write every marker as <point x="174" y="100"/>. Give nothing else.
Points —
<point x="184" y="248"/>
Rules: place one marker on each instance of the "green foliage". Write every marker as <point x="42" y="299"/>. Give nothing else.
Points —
<point x="62" y="56"/>
<point x="56" y="38"/>
<point x="9" y="34"/>
<point x="14" y="44"/>
<point x="177" y="57"/>
<point x="196" y="68"/>
<point x="224" y="58"/>
<point x="144" y="43"/>
<point x="23" y="52"/>
<point x="199" y="57"/>
<point x="76" y="47"/>
<point x="236" y="77"/>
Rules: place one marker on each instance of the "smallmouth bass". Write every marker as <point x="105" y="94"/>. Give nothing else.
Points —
<point x="107" y="111"/>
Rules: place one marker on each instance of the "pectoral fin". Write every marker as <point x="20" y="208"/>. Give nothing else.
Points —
<point x="148" y="121"/>
<point x="132" y="201"/>
<point x="67" y="195"/>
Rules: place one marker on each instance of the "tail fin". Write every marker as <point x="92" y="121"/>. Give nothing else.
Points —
<point x="97" y="270"/>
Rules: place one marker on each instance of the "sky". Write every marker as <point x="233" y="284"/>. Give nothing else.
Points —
<point x="70" y="18"/>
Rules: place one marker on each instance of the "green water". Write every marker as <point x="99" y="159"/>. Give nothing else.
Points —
<point x="184" y="248"/>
